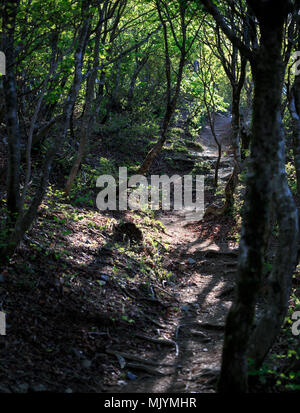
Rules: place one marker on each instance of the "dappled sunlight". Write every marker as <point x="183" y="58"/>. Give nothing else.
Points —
<point x="149" y="196"/>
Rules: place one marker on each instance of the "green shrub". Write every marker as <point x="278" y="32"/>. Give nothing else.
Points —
<point x="291" y="176"/>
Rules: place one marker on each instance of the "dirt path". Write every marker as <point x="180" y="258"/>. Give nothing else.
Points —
<point x="204" y="260"/>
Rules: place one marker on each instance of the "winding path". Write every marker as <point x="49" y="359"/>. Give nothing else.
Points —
<point x="204" y="262"/>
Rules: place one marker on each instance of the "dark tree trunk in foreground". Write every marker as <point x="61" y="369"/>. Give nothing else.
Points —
<point x="293" y="100"/>
<point x="294" y="108"/>
<point x="279" y="282"/>
<point x="265" y="179"/>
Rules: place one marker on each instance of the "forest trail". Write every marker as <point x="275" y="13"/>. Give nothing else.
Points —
<point x="206" y="261"/>
<point x="104" y="286"/>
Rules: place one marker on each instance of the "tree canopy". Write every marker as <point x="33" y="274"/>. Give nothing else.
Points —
<point x="159" y="87"/>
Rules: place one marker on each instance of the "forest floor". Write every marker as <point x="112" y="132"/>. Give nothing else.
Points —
<point x="88" y="312"/>
<point x="206" y="255"/>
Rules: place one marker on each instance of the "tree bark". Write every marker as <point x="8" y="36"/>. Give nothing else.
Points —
<point x="11" y="103"/>
<point x="87" y="117"/>
<point x="268" y="70"/>
<point x="294" y="108"/>
<point x="163" y="137"/>
<point x="139" y="66"/>
<point x="25" y="218"/>
<point x="280" y="281"/>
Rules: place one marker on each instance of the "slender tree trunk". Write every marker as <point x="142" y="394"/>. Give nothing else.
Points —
<point x="237" y="86"/>
<point x="87" y="117"/>
<point x="211" y="119"/>
<point x="135" y="75"/>
<point x="11" y="103"/>
<point x="236" y="126"/>
<point x="229" y="199"/>
<point x="34" y="120"/>
<point x="25" y="218"/>
<point x="163" y="137"/>
<point x="171" y="101"/>
<point x="24" y="222"/>
<point x="246" y="119"/>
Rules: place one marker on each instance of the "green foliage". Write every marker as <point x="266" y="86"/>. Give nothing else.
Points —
<point x="267" y="267"/>
<point x="106" y="167"/>
<point x="288" y="381"/>
<point x="125" y="137"/>
<point x="83" y="190"/>
<point x="202" y="167"/>
<point x="291" y="176"/>
<point x="196" y="146"/>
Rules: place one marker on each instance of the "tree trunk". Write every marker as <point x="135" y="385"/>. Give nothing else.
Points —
<point x="87" y="118"/>
<point x="235" y="122"/>
<point x="171" y="101"/>
<point x="25" y="218"/>
<point x="11" y="103"/>
<point x="229" y="199"/>
<point x="280" y="280"/>
<point x="211" y="119"/>
<point x="159" y="145"/>
<point x="267" y="70"/>
<point x="294" y="108"/>
<point x="135" y="75"/>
